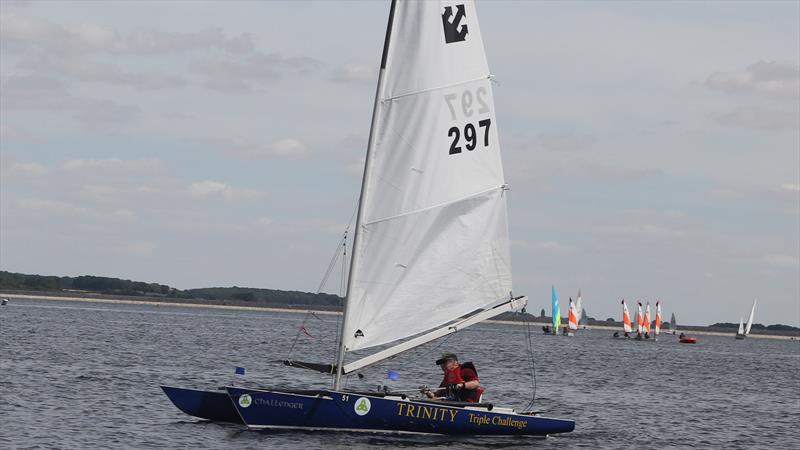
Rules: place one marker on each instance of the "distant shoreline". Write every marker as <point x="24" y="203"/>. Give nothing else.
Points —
<point x="167" y="302"/>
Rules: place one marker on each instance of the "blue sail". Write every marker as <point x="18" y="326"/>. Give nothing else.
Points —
<point x="556" y="311"/>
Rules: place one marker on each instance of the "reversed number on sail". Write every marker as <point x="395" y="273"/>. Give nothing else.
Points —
<point x="467" y="104"/>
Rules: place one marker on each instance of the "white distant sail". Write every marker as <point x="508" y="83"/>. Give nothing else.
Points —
<point x="432" y="241"/>
<point x="750" y="320"/>
<point x="639" y="319"/>
<point x="657" y="328"/>
<point x="741" y="327"/>
<point x="579" y="306"/>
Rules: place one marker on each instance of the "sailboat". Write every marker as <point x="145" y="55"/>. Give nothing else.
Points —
<point x="572" y="320"/>
<point x="627" y="328"/>
<point x="639" y="322"/>
<point x="646" y="322"/>
<point x="579" y="307"/>
<point x="657" y="324"/>
<point x="673" y="324"/>
<point x="744" y="330"/>
<point x="431" y="250"/>
<point x="556" y="311"/>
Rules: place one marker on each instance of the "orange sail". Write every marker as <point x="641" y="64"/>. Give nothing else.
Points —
<point x="626" y="318"/>
<point x="573" y="316"/>
<point x="646" y="321"/>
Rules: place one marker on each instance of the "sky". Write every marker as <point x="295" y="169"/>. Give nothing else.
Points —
<point x="652" y="148"/>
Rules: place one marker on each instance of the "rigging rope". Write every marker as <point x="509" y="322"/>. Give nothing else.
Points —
<point x="532" y="365"/>
<point x="336" y="254"/>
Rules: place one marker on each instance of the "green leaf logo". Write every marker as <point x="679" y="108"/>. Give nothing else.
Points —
<point x="245" y="400"/>
<point x="362" y="406"/>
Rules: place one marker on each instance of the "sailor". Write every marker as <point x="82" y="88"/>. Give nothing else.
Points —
<point x="460" y="381"/>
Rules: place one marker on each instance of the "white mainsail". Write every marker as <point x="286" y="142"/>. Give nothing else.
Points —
<point x="741" y="327"/>
<point x="750" y="319"/>
<point x="431" y="241"/>
<point x="579" y="306"/>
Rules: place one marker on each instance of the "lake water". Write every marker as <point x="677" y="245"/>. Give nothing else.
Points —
<point x="87" y="375"/>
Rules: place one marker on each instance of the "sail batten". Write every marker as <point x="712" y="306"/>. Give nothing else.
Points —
<point x="437" y="88"/>
<point x="441" y="205"/>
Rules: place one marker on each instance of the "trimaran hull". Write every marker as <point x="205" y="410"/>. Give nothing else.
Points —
<point x="357" y="412"/>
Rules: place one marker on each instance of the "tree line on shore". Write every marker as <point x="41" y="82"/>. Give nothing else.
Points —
<point x="88" y="284"/>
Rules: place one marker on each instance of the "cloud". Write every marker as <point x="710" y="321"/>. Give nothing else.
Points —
<point x="355" y="73"/>
<point x="83" y="70"/>
<point x="557" y="248"/>
<point x="99" y="192"/>
<point x="24" y="168"/>
<point x="648" y="231"/>
<point x="790" y="187"/>
<point x="324" y="225"/>
<point x="781" y="261"/>
<point x="264" y="221"/>
<point x="288" y="148"/>
<point x="216" y="189"/>
<point x="115" y="165"/>
<point x="36" y="92"/>
<point x="355" y="168"/>
<point x="770" y="79"/>
<point x="25" y="33"/>
<point x="758" y="119"/>
<point x="142" y="248"/>
<point x="565" y="142"/>
<point x="51" y="206"/>
<point x="244" y="73"/>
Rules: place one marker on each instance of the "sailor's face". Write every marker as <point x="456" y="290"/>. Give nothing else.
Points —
<point x="450" y="364"/>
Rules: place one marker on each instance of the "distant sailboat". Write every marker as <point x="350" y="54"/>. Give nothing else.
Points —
<point x="626" y="322"/>
<point x="657" y="327"/>
<point x="646" y="323"/>
<point x="673" y="324"/>
<point x="573" y="319"/>
<point x="639" y="322"/>
<point x="745" y="330"/>
<point x="556" y="311"/>
<point x="579" y="307"/>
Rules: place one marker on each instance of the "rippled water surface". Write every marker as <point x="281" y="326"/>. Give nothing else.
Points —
<point x="87" y="375"/>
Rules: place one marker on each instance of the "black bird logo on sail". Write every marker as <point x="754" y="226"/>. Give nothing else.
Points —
<point x="454" y="31"/>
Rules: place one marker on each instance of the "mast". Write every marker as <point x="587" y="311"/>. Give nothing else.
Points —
<point x="360" y="216"/>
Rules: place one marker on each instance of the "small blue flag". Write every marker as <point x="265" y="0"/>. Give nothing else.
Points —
<point x="392" y="375"/>
<point x="239" y="371"/>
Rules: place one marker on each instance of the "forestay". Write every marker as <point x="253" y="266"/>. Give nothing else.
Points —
<point x="432" y="243"/>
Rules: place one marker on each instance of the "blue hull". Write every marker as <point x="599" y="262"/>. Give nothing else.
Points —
<point x="210" y="405"/>
<point x="331" y="410"/>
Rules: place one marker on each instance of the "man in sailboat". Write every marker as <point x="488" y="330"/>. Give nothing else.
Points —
<point x="460" y="381"/>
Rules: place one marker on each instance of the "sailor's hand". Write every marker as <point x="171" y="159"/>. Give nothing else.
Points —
<point x="454" y="386"/>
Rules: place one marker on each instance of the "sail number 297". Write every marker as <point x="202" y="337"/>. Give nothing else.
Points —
<point x="465" y="106"/>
